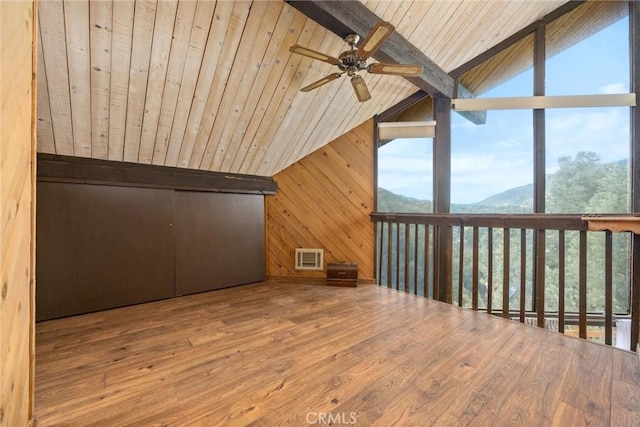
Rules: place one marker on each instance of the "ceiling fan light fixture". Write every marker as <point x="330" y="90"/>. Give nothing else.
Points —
<point x="360" y="87"/>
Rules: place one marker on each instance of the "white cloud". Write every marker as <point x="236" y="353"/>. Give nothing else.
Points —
<point x="613" y="88"/>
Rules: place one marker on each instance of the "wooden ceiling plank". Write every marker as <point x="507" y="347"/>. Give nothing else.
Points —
<point x="292" y="105"/>
<point x="160" y="52"/>
<point x="354" y="16"/>
<point x="214" y="99"/>
<point x="262" y="87"/>
<point x="177" y="59"/>
<point x="122" y="30"/>
<point x="255" y="71"/>
<point x="409" y="28"/>
<point x="54" y="46"/>
<point x="145" y="14"/>
<point x="402" y="14"/>
<point x="432" y="26"/>
<point x="470" y="17"/>
<point x="46" y="143"/>
<point x="264" y="84"/>
<point x="386" y="9"/>
<point x="268" y="95"/>
<point x="228" y="85"/>
<point x="101" y="15"/>
<point x="287" y="88"/>
<point x="225" y="35"/>
<point x="197" y="42"/>
<point x="79" y="66"/>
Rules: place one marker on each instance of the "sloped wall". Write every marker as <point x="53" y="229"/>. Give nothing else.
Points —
<point x="324" y="201"/>
<point x="17" y="230"/>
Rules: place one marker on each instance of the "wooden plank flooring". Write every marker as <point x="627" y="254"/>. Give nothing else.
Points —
<point x="292" y="353"/>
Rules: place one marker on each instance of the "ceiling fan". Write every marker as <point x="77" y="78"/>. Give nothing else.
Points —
<point x="355" y="59"/>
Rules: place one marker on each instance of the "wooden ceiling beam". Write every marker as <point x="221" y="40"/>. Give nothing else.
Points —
<point x="348" y="17"/>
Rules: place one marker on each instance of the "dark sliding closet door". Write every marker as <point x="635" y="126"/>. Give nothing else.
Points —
<point x="219" y="240"/>
<point x="101" y="247"/>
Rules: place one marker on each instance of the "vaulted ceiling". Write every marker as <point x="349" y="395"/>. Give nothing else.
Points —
<point x="212" y="85"/>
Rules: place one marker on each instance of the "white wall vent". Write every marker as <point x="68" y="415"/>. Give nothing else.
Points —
<point x="309" y="259"/>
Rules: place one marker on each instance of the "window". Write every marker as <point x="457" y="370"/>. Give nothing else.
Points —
<point x="492" y="164"/>
<point x="405" y="176"/>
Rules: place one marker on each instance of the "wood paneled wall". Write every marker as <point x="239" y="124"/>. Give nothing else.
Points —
<point x="17" y="230"/>
<point x="324" y="201"/>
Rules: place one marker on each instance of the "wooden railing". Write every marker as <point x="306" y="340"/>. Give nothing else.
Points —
<point x="529" y="267"/>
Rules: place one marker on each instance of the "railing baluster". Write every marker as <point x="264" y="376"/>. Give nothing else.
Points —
<point x="415" y="259"/>
<point x="406" y="257"/>
<point x="474" y="285"/>
<point x="505" y="272"/>
<point x="561" y="251"/>
<point x="389" y="254"/>
<point x="539" y="276"/>
<point x="489" y="270"/>
<point x="380" y="229"/>
<point x="461" y="266"/>
<point x="425" y="282"/>
<point x="397" y="285"/>
<point x="523" y="273"/>
<point x="582" y="286"/>
<point x="608" y="287"/>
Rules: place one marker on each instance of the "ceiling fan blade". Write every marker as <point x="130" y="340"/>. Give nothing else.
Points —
<point x="374" y="39"/>
<point x="301" y="50"/>
<point x="324" y="80"/>
<point x="362" y="92"/>
<point x="395" y="69"/>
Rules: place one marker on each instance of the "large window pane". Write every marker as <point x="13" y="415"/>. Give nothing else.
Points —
<point x="492" y="164"/>
<point x="405" y="176"/>
<point x="588" y="50"/>
<point x="588" y="160"/>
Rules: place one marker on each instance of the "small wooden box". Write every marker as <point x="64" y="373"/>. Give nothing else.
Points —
<point x="342" y="274"/>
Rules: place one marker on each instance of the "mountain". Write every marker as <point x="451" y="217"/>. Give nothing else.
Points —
<point x="392" y="202"/>
<point x="514" y="200"/>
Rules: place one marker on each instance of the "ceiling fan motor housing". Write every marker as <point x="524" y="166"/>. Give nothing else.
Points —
<point x="350" y="63"/>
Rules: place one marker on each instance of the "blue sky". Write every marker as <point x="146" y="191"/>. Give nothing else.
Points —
<point x="491" y="158"/>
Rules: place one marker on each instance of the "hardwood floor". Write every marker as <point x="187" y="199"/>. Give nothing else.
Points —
<point x="278" y="353"/>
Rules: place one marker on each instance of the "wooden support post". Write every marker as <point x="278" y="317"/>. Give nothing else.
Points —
<point x="442" y="195"/>
<point x="634" y="45"/>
